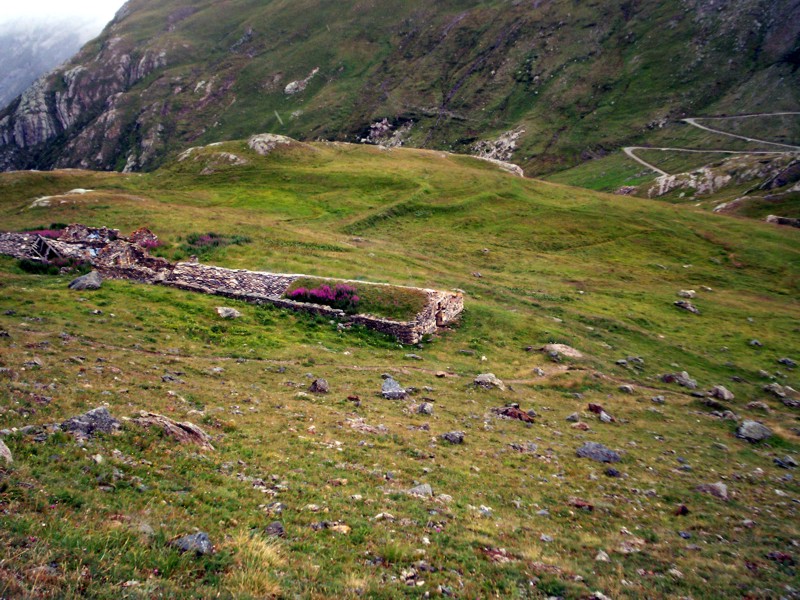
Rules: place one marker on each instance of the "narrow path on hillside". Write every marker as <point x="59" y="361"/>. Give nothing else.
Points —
<point x="630" y="151"/>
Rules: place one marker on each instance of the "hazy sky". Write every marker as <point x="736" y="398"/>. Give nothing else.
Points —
<point x="103" y="10"/>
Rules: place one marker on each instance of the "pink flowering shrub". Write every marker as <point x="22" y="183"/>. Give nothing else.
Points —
<point x="341" y="296"/>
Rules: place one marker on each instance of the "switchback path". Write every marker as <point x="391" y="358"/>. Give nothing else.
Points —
<point x="630" y="150"/>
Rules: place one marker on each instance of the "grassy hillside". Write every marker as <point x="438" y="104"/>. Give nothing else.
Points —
<point x="539" y="263"/>
<point x="581" y="79"/>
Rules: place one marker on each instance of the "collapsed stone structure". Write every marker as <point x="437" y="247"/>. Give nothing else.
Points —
<point x="118" y="257"/>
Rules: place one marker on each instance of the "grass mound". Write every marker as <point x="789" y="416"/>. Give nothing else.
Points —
<point x="387" y="301"/>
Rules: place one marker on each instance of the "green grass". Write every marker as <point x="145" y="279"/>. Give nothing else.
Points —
<point x="558" y="264"/>
<point x="389" y="302"/>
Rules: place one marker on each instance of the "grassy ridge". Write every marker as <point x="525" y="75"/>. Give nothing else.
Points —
<point x="556" y="264"/>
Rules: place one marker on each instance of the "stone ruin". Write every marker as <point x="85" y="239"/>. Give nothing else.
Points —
<point x="118" y="257"/>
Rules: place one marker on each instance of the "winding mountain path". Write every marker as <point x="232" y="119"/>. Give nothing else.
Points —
<point x="630" y="151"/>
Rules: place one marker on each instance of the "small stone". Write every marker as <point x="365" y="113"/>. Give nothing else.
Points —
<point x="546" y="538"/>
<point x="319" y="386"/>
<point x="453" y="437"/>
<point x="753" y="431"/>
<point x="657" y="400"/>
<point x="682" y="379"/>
<point x="423" y="489"/>
<point x="626" y="389"/>
<point x="391" y="390"/>
<point x="91" y="422"/>
<point x="597" y="452"/>
<point x="199" y="543"/>
<point x="228" y="313"/>
<point x="489" y="381"/>
<point x="675" y="573"/>
<point x="5" y="453"/>
<point x="561" y="350"/>
<point x="722" y="393"/>
<point x="787" y="362"/>
<point x="718" y="490"/>
<point x="605" y="417"/>
<point x="787" y="462"/>
<point x="611" y="472"/>
<point x="688" y="306"/>
<point x="573" y="418"/>
<point x="757" y="405"/>
<point x="755" y="343"/>
<point x="275" y="529"/>
<point x="441" y="374"/>
<point x="602" y="557"/>
<point x="539" y="372"/>
<point x="90" y="281"/>
<point x="413" y="357"/>
<point x="691" y="294"/>
<point x="426" y="408"/>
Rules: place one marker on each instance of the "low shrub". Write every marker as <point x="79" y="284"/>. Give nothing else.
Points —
<point x="203" y="243"/>
<point x="54" y="267"/>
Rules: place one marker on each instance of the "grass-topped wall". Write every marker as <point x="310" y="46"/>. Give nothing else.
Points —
<point x="385" y="301"/>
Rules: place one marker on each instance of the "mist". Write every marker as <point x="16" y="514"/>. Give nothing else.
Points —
<point x="38" y="11"/>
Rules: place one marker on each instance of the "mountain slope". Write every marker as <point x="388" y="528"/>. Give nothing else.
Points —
<point x="515" y="513"/>
<point x="563" y="80"/>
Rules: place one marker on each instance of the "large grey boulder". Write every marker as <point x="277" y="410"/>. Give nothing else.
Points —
<point x="90" y="281"/>
<point x="753" y="431"/>
<point x="89" y="423"/>
<point x="597" y="452"/>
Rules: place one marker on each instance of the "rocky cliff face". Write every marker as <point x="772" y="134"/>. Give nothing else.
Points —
<point x="568" y="79"/>
<point x="31" y="47"/>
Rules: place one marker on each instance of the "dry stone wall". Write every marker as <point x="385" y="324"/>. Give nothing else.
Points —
<point x="117" y="257"/>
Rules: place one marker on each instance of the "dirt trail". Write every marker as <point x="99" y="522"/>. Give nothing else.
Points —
<point x="630" y="150"/>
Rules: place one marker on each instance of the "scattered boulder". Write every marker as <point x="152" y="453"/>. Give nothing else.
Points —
<point x="753" y="431"/>
<point x="426" y="408"/>
<point x="755" y="343"/>
<point x="199" y="543"/>
<point x="561" y="350"/>
<point x="90" y="281"/>
<point x="718" y="490"/>
<point x="787" y="362"/>
<point x="686" y="305"/>
<point x="276" y="530"/>
<point x="626" y="389"/>
<point x="453" y="437"/>
<point x="91" y="422"/>
<point x="758" y="405"/>
<point x="787" y="462"/>
<point x="690" y="294"/>
<point x="721" y="393"/>
<point x="597" y="452"/>
<point x="573" y="418"/>
<point x="514" y="412"/>
<point x="184" y="433"/>
<point x="228" y="313"/>
<point x="423" y="489"/>
<point x="682" y="379"/>
<point x="5" y="453"/>
<point x="319" y="386"/>
<point x="391" y="390"/>
<point x="488" y="381"/>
